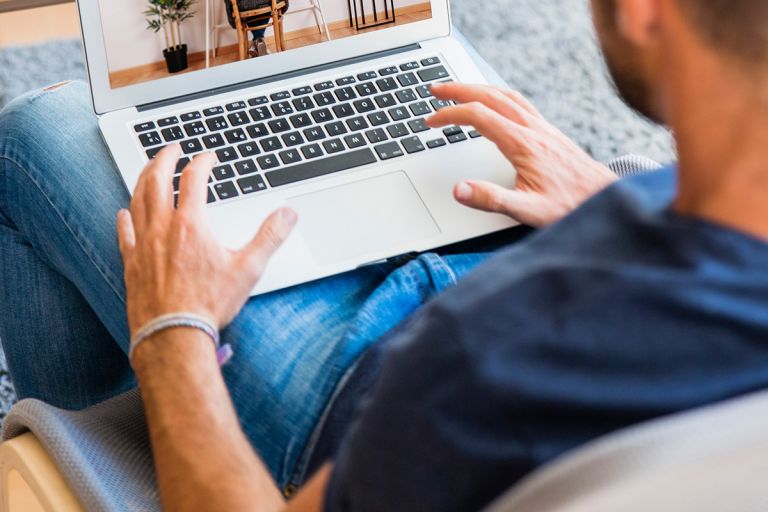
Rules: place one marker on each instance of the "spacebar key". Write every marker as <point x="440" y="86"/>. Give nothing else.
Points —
<point x="320" y="167"/>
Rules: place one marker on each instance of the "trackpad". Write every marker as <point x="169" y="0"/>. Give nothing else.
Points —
<point x="368" y="217"/>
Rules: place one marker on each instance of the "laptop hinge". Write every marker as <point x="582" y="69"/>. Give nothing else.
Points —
<point x="274" y="78"/>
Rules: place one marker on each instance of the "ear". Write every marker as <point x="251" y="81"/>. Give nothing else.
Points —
<point x="638" y="20"/>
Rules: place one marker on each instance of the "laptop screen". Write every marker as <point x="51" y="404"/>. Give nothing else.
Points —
<point x="149" y="40"/>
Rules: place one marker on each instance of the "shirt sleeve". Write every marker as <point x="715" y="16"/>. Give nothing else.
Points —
<point x="429" y="436"/>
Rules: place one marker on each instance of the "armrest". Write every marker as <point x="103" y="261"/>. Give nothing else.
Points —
<point x="30" y="481"/>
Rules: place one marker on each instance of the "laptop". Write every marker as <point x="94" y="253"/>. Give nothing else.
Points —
<point x="332" y="125"/>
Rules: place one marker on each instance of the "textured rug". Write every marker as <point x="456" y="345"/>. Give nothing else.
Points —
<point x="544" y="48"/>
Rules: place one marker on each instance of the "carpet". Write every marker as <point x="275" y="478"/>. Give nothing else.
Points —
<point x="544" y="48"/>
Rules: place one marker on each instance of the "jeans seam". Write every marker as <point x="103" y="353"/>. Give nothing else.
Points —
<point x="99" y="265"/>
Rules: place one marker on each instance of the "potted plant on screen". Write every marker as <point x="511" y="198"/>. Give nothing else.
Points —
<point x="167" y="15"/>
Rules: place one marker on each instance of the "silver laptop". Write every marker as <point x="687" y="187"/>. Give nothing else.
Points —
<point x="332" y="125"/>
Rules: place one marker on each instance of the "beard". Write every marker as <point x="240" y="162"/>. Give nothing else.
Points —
<point x="624" y="61"/>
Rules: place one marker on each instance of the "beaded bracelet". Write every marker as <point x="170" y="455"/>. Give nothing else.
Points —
<point x="182" y="319"/>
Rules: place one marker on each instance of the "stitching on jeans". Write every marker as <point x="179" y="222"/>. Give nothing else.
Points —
<point x="89" y="254"/>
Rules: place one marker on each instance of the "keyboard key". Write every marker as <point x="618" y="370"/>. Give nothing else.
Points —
<point x="356" y="124"/>
<point x="257" y="130"/>
<point x="406" y="96"/>
<point x="385" y="100"/>
<point x="245" y="167"/>
<point x="436" y="73"/>
<point x="293" y="139"/>
<point x="459" y="137"/>
<point x="314" y="133"/>
<point x="176" y="183"/>
<point x="452" y="130"/>
<point x="152" y="152"/>
<point x="235" y="136"/>
<point x="300" y="120"/>
<point x="368" y="75"/>
<point x="181" y="164"/>
<point x="412" y="145"/>
<point x="143" y="127"/>
<point x="167" y="121"/>
<point x="343" y="110"/>
<point x="248" y="149"/>
<point x="333" y="146"/>
<point x="211" y="197"/>
<point x="223" y="172"/>
<point x="474" y="134"/>
<point x="364" y="105"/>
<point x="150" y="139"/>
<point x="390" y="70"/>
<point x="190" y="116"/>
<point x="281" y="95"/>
<point x="386" y="84"/>
<point x="321" y="167"/>
<point x="436" y="143"/>
<point x="355" y="140"/>
<point x="420" y="109"/>
<point x="191" y="146"/>
<point x="423" y="91"/>
<point x="268" y="162"/>
<point x="172" y="134"/>
<point x="290" y="156"/>
<point x="259" y="100"/>
<point x="226" y="154"/>
<point x="375" y="136"/>
<point x="312" y="151"/>
<point x="366" y="89"/>
<point x="407" y="79"/>
<point x="322" y="86"/>
<point x="336" y="128"/>
<point x="345" y="80"/>
<point x="225" y="190"/>
<point x="279" y="125"/>
<point x="213" y="140"/>
<point x="418" y="125"/>
<point x="271" y="144"/>
<point x="321" y="116"/>
<point x="251" y="184"/>
<point x="303" y="103"/>
<point x="346" y="94"/>
<point x="398" y="113"/>
<point x="409" y="66"/>
<point x="212" y="111"/>
<point x="236" y="105"/>
<point x="216" y="123"/>
<point x="378" y="118"/>
<point x="438" y="104"/>
<point x="238" y="118"/>
<point x="195" y="128"/>
<point x="299" y="91"/>
<point x="324" y="98"/>
<point x="397" y="130"/>
<point x="260" y="113"/>
<point x="283" y="108"/>
<point x="431" y="61"/>
<point x="388" y="150"/>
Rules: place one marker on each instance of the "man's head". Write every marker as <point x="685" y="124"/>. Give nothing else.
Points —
<point x="637" y="38"/>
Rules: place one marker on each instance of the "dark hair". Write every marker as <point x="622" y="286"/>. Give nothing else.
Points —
<point x="739" y="27"/>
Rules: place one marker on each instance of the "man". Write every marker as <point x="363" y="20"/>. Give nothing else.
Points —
<point x="647" y="299"/>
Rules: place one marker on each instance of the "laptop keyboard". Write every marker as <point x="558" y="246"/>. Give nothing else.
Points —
<point x="288" y="136"/>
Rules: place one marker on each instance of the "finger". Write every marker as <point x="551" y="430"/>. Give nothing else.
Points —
<point x="497" y="128"/>
<point x="489" y="96"/>
<point x="193" y="189"/>
<point x="489" y="197"/>
<point x="126" y="236"/>
<point x="271" y="235"/>
<point x="520" y="99"/>
<point x="154" y="190"/>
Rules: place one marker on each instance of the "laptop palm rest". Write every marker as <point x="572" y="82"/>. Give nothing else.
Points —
<point x="365" y="218"/>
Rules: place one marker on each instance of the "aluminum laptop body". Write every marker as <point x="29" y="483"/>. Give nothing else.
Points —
<point x="396" y="199"/>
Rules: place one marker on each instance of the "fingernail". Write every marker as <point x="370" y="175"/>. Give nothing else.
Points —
<point x="288" y="216"/>
<point x="464" y="191"/>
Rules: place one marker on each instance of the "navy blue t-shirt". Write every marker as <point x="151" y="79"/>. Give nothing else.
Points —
<point x="622" y="312"/>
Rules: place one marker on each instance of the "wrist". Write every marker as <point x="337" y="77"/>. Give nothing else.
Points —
<point x="173" y="346"/>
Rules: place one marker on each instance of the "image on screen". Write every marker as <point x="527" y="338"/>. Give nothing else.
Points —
<point x="153" y="39"/>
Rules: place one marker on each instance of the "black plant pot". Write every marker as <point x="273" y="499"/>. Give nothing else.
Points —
<point x="176" y="58"/>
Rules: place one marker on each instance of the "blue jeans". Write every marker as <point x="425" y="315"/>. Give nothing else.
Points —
<point x="62" y="297"/>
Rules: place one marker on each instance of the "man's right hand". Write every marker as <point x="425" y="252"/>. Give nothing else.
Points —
<point x="554" y="175"/>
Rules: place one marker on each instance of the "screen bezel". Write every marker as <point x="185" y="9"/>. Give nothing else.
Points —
<point x="106" y="99"/>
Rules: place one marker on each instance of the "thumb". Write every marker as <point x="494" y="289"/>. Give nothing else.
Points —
<point x="489" y="197"/>
<point x="273" y="232"/>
